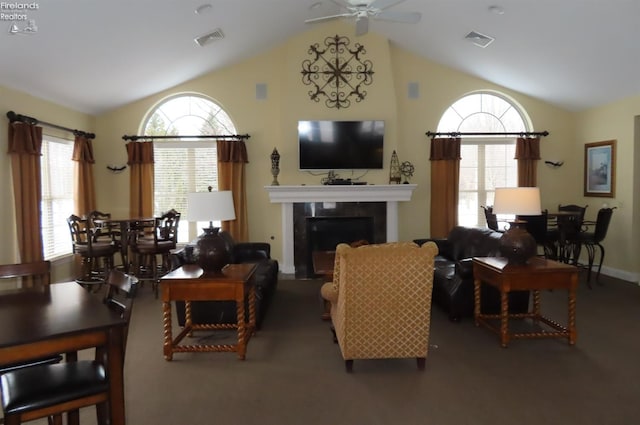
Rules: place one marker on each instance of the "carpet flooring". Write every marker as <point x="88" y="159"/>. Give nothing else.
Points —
<point x="294" y="373"/>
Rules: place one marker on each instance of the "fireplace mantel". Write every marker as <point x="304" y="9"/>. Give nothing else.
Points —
<point x="340" y="193"/>
<point x="289" y="195"/>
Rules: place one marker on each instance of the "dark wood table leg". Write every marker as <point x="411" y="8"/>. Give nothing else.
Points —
<point x="504" y="318"/>
<point x="326" y="313"/>
<point x="572" y="316"/>
<point x="115" y="358"/>
<point x="242" y="343"/>
<point x="476" y="301"/>
<point x="166" y="320"/>
<point x="252" y="313"/>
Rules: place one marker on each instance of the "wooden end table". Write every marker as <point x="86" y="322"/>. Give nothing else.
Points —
<point x="189" y="283"/>
<point x="536" y="275"/>
<point x="323" y="262"/>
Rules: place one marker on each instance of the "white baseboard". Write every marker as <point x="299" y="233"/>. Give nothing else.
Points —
<point x="620" y="274"/>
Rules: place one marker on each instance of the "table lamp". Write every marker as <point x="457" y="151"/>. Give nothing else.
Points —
<point x="516" y="244"/>
<point x="212" y="253"/>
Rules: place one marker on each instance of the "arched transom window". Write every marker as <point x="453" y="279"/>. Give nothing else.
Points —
<point x="184" y="165"/>
<point x="487" y="161"/>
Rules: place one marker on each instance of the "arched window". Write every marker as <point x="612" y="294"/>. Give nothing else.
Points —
<point x="184" y="165"/>
<point x="487" y="162"/>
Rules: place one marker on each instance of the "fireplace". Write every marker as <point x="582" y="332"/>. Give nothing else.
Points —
<point x="330" y="200"/>
<point x="325" y="233"/>
<point x="323" y="225"/>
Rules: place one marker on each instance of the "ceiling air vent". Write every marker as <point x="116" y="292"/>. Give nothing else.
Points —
<point x="478" y="39"/>
<point x="209" y="38"/>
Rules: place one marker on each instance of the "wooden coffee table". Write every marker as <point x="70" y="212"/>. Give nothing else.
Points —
<point x="188" y="283"/>
<point x="537" y="275"/>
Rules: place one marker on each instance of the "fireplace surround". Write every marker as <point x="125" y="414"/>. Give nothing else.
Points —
<point x="345" y="222"/>
<point x="333" y="198"/>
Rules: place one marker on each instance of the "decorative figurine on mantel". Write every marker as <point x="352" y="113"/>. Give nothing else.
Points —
<point x="394" y="169"/>
<point x="407" y="169"/>
<point x="275" y="167"/>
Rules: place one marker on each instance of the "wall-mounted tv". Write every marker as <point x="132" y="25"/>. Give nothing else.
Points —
<point x="340" y="145"/>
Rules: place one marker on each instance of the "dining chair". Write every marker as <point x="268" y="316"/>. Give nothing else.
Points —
<point x="536" y="226"/>
<point x="491" y="218"/>
<point x="35" y="273"/>
<point x="99" y="220"/>
<point x="575" y="208"/>
<point x="156" y="241"/>
<point x="591" y="239"/>
<point x="96" y="252"/>
<point x="106" y="230"/>
<point x="564" y="236"/>
<point x="49" y="390"/>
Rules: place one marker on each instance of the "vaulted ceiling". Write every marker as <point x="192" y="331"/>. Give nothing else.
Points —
<point x="96" y="55"/>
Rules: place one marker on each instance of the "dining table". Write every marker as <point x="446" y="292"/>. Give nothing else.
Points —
<point x="63" y="318"/>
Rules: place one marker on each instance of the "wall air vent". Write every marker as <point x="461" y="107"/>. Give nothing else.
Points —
<point x="478" y="39"/>
<point x="205" y="39"/>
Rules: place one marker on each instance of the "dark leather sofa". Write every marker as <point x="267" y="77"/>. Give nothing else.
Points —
<point x="453" y="273"/>
<point x="265" y="279"/>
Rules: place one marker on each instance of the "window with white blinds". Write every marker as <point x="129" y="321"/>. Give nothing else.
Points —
<point x="483" y="167"/>
<point x="184" y="165"/>
<point x="486" y="162"/>
<point x="180" y="168"/>
<point x="57" y="195"/>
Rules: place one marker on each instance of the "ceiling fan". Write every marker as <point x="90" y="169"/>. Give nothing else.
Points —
<point x="363" y="10"/>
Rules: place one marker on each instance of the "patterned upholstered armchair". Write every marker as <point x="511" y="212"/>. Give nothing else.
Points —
<point x="381" y="301"/>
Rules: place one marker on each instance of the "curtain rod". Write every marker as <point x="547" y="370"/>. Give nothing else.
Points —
<point x="200" y="136"/>
<point x="13" y="117"/>
<point x="522" y="134"/>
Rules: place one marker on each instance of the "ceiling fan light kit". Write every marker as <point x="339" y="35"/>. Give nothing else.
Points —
<point x="363" y="11"/>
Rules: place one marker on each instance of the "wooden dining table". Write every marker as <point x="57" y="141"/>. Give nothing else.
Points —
<point x="63" y="318"/>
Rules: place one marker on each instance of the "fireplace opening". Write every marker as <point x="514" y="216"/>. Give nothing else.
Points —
<point x="325" y="233"/>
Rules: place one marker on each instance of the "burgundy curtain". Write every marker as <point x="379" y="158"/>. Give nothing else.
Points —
<point x="25" y="144"/>
<point x="527" y="155"/>
<point x="232" y="155"/>
<point x="84" y="191"/>
<point x="445" y="177"/>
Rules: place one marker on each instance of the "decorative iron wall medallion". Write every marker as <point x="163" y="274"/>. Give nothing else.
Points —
<point x="337" y="72"/>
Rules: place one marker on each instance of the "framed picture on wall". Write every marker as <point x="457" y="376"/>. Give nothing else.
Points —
<point x="600" y="169"/>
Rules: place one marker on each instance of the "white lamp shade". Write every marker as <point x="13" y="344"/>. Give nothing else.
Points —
<point x="210" y="206"/>
<point x="517" y="200"/>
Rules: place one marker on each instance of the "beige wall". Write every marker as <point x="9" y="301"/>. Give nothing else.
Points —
<point x="617" y="121"/>
<point x="43" y="110"/>
<point x="272" y="123"/>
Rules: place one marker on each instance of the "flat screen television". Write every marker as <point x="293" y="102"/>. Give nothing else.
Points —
<point x="340" y="145"/>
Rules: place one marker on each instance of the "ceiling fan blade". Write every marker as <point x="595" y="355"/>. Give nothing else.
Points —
<point x="362" y="25"/>
<point x="405" y="17"/>
<point x="326" y="18"/>
<point x="383" y="4"/>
